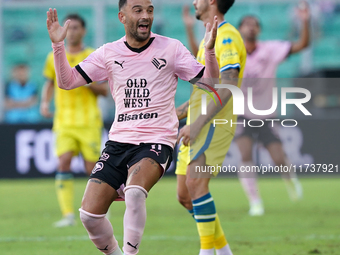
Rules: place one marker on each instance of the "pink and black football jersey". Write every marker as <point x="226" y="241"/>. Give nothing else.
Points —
<point x="143" y="84"/>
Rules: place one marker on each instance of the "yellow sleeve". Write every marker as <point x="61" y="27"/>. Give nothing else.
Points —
<point x="227" y="53"/>
<point x="49" y="71"/>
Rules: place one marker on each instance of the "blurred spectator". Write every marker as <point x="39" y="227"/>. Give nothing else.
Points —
<point x="21" y="103"/>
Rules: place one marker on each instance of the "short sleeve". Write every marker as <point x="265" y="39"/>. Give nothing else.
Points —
<point x="187" y="68"/>
<point x="228" y="55"/>
<point x="93" y="67"/>
<point x="49" y="71"/>
<point x="279" y="50"/>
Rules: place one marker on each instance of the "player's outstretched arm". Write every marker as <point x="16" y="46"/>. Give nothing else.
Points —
<point x="67" y="77"/>
<point x="211" y="72"/>
<point x="304" y="40"/>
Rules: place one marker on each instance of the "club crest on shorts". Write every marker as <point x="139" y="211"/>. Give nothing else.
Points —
<point x="99" y="166"/>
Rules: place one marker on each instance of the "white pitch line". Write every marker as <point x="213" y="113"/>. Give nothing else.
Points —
<point x="162" y="238"/>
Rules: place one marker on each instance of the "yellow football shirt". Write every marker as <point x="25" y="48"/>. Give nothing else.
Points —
<point x="230" y="53"/>
<point x="77" y="107"/>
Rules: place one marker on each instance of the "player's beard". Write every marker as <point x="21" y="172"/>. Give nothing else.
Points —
<point x="140" y="37"/>
<point x="201" y="10"/>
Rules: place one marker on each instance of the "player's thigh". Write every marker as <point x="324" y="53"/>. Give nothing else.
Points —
<point x="98" y="196"/>
<point x="148" y="164"/>
<point x="144" y="173"/>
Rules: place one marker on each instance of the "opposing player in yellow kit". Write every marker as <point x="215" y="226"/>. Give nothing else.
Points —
<point x="77" y="120"/>
<point x="204" y="144"/>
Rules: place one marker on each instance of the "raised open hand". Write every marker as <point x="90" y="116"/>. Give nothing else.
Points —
<point x="189" y="20"/>
<point x="56" y="32"/>
<point x="210" y="34"/>
<point x="303" y="11"/>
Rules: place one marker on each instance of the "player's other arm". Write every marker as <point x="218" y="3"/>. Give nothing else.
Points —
<point x="182" y="111"/>
<point x="304" y="40"/>
<point x="67" y="77"/>
<point x="189" y="22"/>
<point x="99" y="88"/>
<point x="46" y="97"/>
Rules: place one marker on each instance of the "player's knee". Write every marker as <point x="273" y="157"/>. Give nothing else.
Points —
<point x="193" y="183"/>
<point x="64" y="166"/>
<point x="135" y="196"/>
<point x="90" y="220"/>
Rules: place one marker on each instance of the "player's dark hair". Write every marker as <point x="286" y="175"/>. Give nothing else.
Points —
<point x="121" y="4"/>
<point x="75" y="16"/>
<point x="250" y="17"/>
<point x="223" y="6"/>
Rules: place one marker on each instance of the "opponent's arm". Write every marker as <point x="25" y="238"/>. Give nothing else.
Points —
<point x="46" y="97"/>
<point x="212" y="71"/>
<point x="182" y="111"/>
<point x="229" y="77"/>
<point x="67" y="77"/>
<point x="304" y="40"/>
<point x="189" y="22"/>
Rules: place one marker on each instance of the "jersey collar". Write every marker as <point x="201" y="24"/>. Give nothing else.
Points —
<point x="222" y="23"/>
<point x="139" y="50"/>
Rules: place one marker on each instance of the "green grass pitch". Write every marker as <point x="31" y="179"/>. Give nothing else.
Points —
<point x="312" y="226"/>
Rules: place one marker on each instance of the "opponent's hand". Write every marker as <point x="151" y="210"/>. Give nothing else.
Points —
<point x="56" y="32"/>
<point x="210" y="34"/>
<point x="189" y="134"/>
<point x="189" y="20"/>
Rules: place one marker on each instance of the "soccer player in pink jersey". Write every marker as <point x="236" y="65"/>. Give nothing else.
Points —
<point x="142" y="69"/>
<point x="263" y="58"/>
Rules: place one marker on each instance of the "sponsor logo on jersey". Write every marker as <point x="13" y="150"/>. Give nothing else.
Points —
<point x="120" y="64"/>
<point x="140" y="116"/>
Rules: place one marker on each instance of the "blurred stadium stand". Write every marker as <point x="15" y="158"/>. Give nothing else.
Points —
<point x="25" y="37"/>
